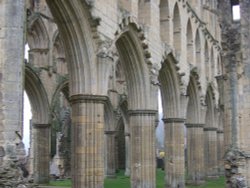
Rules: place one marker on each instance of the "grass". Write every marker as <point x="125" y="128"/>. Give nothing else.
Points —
<point x="61" y="183"/>
<point x="122" y="181"/>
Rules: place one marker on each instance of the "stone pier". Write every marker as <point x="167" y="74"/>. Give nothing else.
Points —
<point x="12" y="19"/>
<point x="127" y="153"/>
<point x="195" y="153"/>
<point x="211" y="160"/>
<point x="41" y="152"/>
<point x="174" y="149"/>
<point x="143" y="163"/>
<point x="87" y="140"/>
<point x="110" y="154"/>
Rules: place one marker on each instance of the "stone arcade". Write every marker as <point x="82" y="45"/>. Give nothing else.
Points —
<point x="93" y="75"/>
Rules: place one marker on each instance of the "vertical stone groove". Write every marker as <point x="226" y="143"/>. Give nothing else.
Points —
<point x="195" y="153"/>
<point x="174" y="149"/>
<point x="88" y="140"/>
<point x="41" y="152"/>
<point x="143" y="164"/>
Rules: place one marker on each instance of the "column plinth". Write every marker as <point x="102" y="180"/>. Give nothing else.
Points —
<point x="143" y="164"/>
<point x="174" y="152"/>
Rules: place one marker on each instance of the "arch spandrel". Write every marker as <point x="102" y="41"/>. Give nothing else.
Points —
<point x="37" y="96"/>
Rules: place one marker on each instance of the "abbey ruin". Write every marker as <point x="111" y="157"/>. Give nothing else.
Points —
<point x="94" y="71"/>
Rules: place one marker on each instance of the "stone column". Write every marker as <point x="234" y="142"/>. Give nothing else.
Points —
<point x="174" y="152"/>
<point x="12" y="19"/>
<point x="143" y="164"/>
<point x="87" y="135"/>
<point x="110" y="154"/>
<point x="220" y="152"/>
<point x="195" y="154"/>
<point x="210" y="152"/>
<point x="128" y="153"/>
<point x="41" y="152"/>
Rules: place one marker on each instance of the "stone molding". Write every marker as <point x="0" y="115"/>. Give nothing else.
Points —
<point x="40" y="125"/>
<point x="126" y="134"/>
<point x="173" y="120"/>
<point x="110" y="132"/>
<point x="82" y="98"/>
<point x="220" y="131"/>
<point x="195" y="125"/>
<point x="210" y="129"/>
<point x="142" y="112"/>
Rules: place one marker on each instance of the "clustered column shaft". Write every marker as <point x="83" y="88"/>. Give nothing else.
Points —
<point x="211" y="161"/>
<point x="127" y="147"/>
<point x="220" y="152"/>
<point x="110" y="154"/>
<point x="174" y="149"/>
<point x="195" y="153"/>
<point x="143" y="164"/>
<point x="87" y="141"/>
<point x="41" y="152"/>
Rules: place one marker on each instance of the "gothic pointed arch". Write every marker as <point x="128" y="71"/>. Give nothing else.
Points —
<point x="37" y="35"/>
<point x="58" y="48"/>
<point x="59" y="61"/>
<point x="170" y="84"/>
<point x="77" y="30"/>
<point x="135" y="61"/>
<point x="37" y="96"/>
<point x="193" y="91"/>
<point x="63" y="87"/>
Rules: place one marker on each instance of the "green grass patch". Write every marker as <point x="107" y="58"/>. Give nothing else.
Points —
<point x="217" y="183"/>
<point x="61" y="183"/>
<point x="122" y="181"/>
